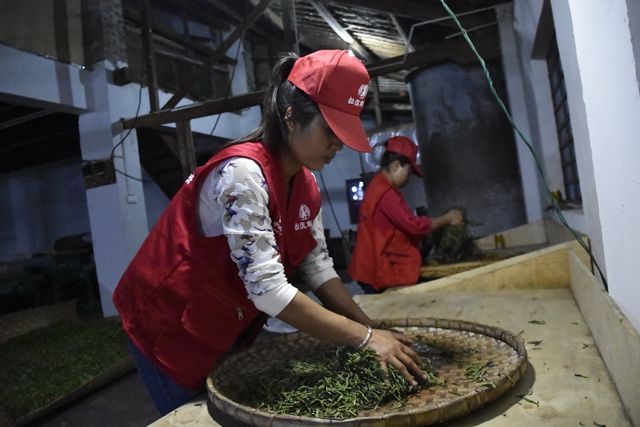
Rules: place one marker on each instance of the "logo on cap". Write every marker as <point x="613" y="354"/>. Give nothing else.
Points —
<point x="305" y="222"/>
<point x="362" y="91"/>
<point x="338" y="82"/>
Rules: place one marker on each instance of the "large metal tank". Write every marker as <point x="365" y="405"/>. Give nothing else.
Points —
<point x="467" y="146"/>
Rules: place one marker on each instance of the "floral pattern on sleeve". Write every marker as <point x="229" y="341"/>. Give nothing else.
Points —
<point x="242" y="190"/>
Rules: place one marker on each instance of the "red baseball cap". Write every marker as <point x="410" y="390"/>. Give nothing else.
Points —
<point x="406" y="147"/>
<point x="338" y="82"/>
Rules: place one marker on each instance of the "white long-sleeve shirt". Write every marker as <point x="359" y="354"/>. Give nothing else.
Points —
<point x="233" y="201"/>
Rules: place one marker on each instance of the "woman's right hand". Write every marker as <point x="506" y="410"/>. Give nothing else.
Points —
<point x="455" y="216"/>
<point x="394" y="349"/>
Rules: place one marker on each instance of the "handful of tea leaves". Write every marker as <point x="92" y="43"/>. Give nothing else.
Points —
<point x="454" y="243"/>
<point x="331" y="385"/>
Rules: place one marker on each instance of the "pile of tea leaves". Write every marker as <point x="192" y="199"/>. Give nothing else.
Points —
<point x="454" y="243"/>
<point x="332" y="385"/>
<point x="48" y="363"/>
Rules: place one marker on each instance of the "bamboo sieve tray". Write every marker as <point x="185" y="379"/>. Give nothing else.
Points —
<point x="452" y="345"/>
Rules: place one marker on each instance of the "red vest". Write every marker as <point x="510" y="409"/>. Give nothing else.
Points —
<point x="382" y="258"/>
<point x="181" y="300"/>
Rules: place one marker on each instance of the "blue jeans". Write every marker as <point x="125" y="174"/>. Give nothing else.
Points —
<point x="166" y="394"/>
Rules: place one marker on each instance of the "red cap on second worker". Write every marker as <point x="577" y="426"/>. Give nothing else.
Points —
<point x="406" y="147"/>
<point x="338" y="82"/>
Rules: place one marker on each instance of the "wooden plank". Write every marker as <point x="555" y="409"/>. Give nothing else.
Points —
<point x="542" y="269"/>
<point x="453" y="51"/>
<point x="418" y="10"/>
<point x="188" y="112"/>
<point x="616" y="338"/>
<point x="444" y="270"/>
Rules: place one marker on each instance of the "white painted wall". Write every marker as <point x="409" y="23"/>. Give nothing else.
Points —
<point x="35" y="81"/>
<point x="604" y="101"/>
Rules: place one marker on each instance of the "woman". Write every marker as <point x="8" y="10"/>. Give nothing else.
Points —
<point x="218" y="260"/>
<point x="386" y="252"/>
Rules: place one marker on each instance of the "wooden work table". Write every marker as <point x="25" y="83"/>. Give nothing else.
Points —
<point x="566" y="374"/>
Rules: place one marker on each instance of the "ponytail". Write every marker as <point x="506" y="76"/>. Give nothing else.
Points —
<point x="280" y="95"/>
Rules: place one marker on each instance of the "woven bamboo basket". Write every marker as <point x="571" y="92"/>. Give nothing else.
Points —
<point x="450" y="344"/>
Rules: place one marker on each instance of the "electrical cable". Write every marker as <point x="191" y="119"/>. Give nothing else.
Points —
<point x="537" y="162"/>
<point x="126" y="135"/>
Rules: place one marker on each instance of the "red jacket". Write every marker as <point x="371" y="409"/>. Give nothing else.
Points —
<point x="386" y="255"/>
<point x="181" y="300"/>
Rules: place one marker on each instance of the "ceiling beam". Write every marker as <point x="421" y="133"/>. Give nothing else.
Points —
<point x="405" y="8"/>
<point x="455" y="51"/>
<point x="458" y="53"/>
<point x="159" y="32"/>
<point x="340" y="30"/>
<point x="403" y="34"/>
<point x="259" y="30"/>
<point x="421" y="11"/>
<point x="193" y="111"/>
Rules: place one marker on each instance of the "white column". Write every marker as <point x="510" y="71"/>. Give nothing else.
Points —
<point x="117" y="212"/>
<point x="518" y="109"/>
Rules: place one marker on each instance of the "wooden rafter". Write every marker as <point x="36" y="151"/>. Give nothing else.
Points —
<point x="455" y="51"/>
<point x="337" y="28"/>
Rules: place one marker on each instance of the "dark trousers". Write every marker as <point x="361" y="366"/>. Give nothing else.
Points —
<point x="368" y="289"/>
